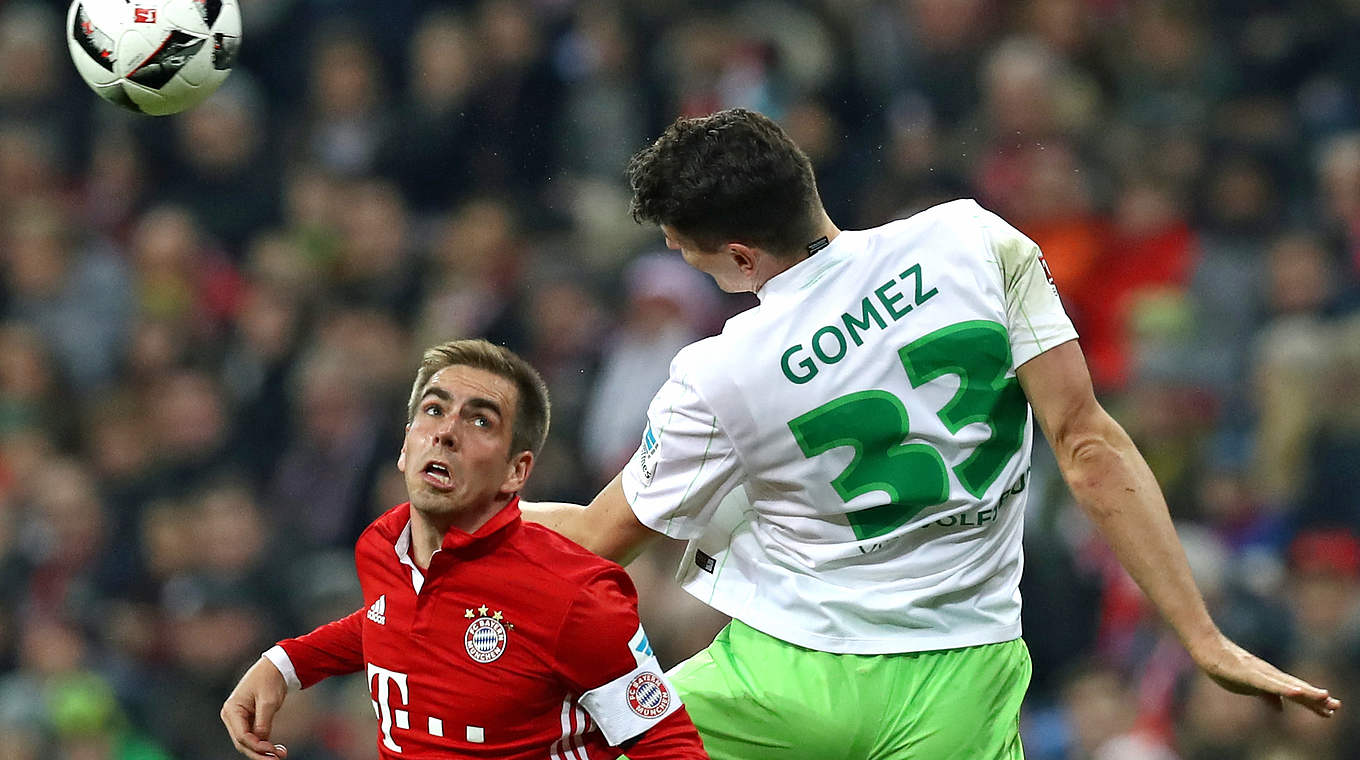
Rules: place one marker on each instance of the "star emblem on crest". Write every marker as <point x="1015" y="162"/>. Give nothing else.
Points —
<point x="498" y="616"/>
<point x="469" y="614"/>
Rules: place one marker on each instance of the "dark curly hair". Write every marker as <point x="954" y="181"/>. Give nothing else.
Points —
<point x="731" y="176"/>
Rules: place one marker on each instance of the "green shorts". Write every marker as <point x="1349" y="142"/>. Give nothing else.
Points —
<point x="755" y="697"/>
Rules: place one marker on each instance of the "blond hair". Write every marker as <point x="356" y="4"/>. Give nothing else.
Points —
<point x="532" y="410"/>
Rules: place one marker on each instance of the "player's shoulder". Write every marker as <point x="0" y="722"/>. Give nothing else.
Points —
<point x="700" y="353"/>
<point x="554" y="558"/>
<point x="386" y="528"/>
<point x="955" y="214"/>
<point x="696" y="367"/>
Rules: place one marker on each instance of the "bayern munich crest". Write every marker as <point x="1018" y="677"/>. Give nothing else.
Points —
<point x="648" y="696"/>
<point x="485" y="637"/>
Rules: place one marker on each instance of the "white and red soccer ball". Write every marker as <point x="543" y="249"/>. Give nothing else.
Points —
<point x="154" y="56"/>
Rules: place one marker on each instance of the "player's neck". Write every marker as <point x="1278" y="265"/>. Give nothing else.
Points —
<point x="428" y="530"/>
<point x="826" y="232"/>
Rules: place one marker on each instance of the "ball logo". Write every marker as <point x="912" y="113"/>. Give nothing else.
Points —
<point x="144" y="15"/>
<point x="647" y="695"/>
<point x="485" y="639"/>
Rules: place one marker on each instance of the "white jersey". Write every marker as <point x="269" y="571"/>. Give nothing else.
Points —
<point x="866" y="437"/>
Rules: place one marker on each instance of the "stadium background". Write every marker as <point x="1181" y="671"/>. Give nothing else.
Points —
<point x="208" y="323"/>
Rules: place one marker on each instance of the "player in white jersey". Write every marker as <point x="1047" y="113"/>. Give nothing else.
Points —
<point x="850" y="460"/>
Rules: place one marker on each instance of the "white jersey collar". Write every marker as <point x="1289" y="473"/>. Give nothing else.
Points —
<point x="804" y="273"/>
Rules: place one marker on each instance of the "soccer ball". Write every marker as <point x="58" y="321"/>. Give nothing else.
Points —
<point x="154" y="56"/>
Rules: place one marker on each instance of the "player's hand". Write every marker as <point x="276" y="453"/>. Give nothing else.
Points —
<point x="249" y="711"/>
<point x="1241" y="672"/>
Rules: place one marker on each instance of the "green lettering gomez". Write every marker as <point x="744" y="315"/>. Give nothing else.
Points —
<point x="831" y="343"/>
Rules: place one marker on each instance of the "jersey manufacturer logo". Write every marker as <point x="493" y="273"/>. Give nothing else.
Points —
<point x="485" y="638"/>
<point x="378" y="611"/>
<point x="648" y="696"/>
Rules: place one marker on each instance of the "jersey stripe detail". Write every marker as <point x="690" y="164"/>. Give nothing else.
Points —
<point x="555" y="752"/>
<point x="570" y="746"/>
<point x="578" y="717"/>
<point x="708" y="445"/>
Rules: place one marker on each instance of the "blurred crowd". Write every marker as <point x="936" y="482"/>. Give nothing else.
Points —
<point x="209" y="322"/>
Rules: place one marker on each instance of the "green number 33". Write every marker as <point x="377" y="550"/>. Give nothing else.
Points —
<point x="876" y="425"/>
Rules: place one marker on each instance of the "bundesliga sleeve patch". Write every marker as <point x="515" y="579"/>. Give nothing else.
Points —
<point x="632" y="703"/>
<point x="646" y="456"/>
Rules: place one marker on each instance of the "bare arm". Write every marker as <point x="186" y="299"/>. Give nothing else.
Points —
<point x="607" y="526"/>
<point x="249" y="711"/>
<point x="1114" y="486"/>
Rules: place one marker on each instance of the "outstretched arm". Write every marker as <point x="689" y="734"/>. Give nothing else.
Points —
<point x="1114" y="486"/>
<point x="249" y="711"/>
<point x="607" y="526"/>
<point x="332" y="649"/>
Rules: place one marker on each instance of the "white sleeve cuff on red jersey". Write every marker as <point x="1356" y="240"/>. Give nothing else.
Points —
<point x="632" y="703"/>
<point x="284" y="663"/>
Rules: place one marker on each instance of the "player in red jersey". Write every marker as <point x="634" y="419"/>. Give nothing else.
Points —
<point x="480" y="635"/>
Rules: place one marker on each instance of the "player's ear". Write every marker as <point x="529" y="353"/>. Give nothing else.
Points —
<point x="401" y="458"/>
<point x="517" y="471"/>
<point x="744" y="257"/>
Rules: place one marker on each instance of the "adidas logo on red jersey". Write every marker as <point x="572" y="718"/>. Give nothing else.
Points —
<point x="378" y="612"/>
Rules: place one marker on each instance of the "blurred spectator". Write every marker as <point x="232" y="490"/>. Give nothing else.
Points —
<point x="517" y="95"/>
<point x="345" y="124"/>
<point x="335" y="429"/>
<point x="476" y="261"/>
<point x="35" y="88"/>
<point x="219" y="147"/>
<point x="255" y="369"/>
<point x="29" y="388"/>
<point x="1324" y="595"/>
<point x="189" y="427"/>
<point x="1152" y="251"/>
<point x="74" y="292"/>
<point x="1215" y="726"/>
<point x="668" y="307"/>
<point x="28" y="165"/>
<point x="375" y="265"/>
<point x="565" y="323"/>
<point x="1292" y="351"/>
<point x="180" y="277"/>
<point x="430" y="149"/>
<point x="115" y="184"/>
<point x="604" y="118"/>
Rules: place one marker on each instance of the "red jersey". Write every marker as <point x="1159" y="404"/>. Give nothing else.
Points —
<point x="516" y="644"/>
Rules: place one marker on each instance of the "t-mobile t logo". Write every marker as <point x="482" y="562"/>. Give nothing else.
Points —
<point x="386" y="715"/>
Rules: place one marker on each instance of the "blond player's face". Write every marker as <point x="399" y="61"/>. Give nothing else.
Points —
<point x="456" y="456"/>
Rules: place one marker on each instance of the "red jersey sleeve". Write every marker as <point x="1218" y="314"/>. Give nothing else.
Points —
<point x="673" y="738"/>
<point x="604" y="655"/>
<point x="336" y="648"/>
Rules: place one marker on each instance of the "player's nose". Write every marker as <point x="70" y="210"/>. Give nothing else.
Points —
<point x="446" y="433"/>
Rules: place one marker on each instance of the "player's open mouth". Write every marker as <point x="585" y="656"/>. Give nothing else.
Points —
<point x="437" y="474"/>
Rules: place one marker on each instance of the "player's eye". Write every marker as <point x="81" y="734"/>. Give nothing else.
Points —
<point x="432" y="409"/>
<point x="481" y="421"/>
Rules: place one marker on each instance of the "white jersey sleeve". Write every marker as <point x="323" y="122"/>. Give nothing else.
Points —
<point x="686" y="463"/>
<point x="1035" y="319"/>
